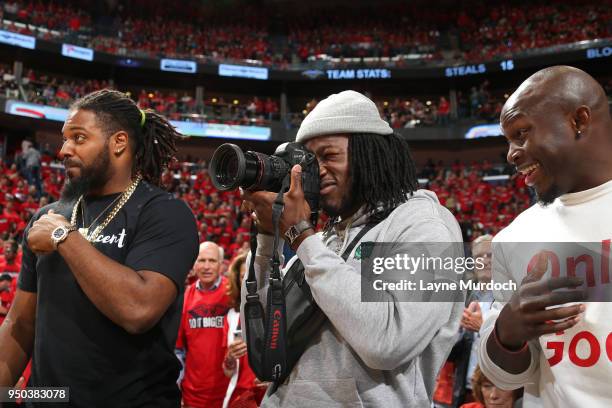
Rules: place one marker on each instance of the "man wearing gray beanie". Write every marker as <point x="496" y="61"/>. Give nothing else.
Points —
<point x="374" y="354"/>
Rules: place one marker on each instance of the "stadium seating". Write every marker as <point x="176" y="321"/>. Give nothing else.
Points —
<point x="394" y="34"/>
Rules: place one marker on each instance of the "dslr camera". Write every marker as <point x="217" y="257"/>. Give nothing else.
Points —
<point x="231" y="168"/>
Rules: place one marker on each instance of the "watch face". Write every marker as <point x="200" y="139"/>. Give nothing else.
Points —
<point x="292" y="233"/>
<point x="59" y="232"/>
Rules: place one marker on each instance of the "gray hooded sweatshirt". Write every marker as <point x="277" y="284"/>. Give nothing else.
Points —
<point x="367" y="354"/>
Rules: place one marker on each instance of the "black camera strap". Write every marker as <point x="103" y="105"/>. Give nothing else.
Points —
<point x="254" y="314"/>
<point x="271" y="363"/>
<point x="274" y="357"/>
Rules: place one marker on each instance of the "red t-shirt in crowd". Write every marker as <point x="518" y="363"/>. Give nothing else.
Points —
<point x="7" y="298"/>
<point x="201" y="336"/>
<point x="10" y="267"/>
<point x="11" y="216"/>
<point x="5" y="224"/>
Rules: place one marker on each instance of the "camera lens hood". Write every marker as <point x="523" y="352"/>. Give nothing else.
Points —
<point x="227" y="167"/>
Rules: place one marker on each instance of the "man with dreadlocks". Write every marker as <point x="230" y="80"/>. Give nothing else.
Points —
<point x="375" y="354"/>
<point x="98" y="300"/>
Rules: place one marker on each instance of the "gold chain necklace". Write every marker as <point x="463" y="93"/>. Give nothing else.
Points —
<point x="125" y="196"/>
<point x="85" y="230"/>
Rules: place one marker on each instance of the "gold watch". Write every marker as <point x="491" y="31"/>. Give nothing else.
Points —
<point x="60" y="234"/>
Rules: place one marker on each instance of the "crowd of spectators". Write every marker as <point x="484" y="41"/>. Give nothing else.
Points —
<point x="239" y="35"/>
<point x="481" y="205"/>
<point x="46" y="89"/>
<point x="54" y="91"/>
<point x="396" y="31"/>
<point x="251" y="110"/>
<point x="53" y="16"/>
<point x="375" y="31"/>
<point x="410" y="113"/>
<point x="488" y="30"/>
<point x="8" y="84"/>
<point x="479" y="104"/>
<point x="404" y="112"/>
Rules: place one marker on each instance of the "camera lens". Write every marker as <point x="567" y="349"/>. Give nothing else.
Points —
<point x="230" y="168"/>
<point x="227" y="167"/>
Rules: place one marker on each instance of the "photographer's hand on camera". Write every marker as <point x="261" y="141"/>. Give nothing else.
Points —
<point x="296" y="208"/>
<point x="527" y="315"/>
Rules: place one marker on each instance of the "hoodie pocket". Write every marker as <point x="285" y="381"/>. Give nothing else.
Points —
<point x="323" y="393"/>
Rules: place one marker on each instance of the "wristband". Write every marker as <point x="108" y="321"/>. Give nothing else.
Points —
<point x="296" y="230"/>
<point x="524" y="347"/>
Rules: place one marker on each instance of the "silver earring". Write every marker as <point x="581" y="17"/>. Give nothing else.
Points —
<point x="578" y="134"/>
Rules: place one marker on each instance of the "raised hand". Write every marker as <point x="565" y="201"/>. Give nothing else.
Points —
<point x="472" y="317"/>
<point x="39" y="235"/>
<point x="528" y="314"/>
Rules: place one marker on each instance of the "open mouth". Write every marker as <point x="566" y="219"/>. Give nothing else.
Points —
<point x="530" y="172"/>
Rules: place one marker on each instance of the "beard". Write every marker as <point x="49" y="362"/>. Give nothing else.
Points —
<point x="548" y="197"/>
<point x="91" y="178"/>
<point x="346" y="205"/>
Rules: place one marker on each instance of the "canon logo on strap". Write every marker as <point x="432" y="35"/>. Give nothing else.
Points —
<point x="275" y="329"/>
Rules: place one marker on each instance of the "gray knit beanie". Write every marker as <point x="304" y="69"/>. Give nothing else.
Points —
<point x="345" y="112"/>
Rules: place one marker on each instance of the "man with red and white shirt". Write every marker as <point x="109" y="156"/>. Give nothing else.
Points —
<point x="200" y="338"/>
<point x="10" y="259"/>
<point x="558" y="347"/>
<point x="7" y="294"/>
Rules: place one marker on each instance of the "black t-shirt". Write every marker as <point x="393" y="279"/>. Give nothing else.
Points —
<point x="75" y="344"/>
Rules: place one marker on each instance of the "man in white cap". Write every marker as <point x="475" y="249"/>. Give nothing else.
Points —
<point x="376" y="354"/>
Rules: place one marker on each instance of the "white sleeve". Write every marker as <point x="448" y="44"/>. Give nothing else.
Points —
<point x="500" y="377"/>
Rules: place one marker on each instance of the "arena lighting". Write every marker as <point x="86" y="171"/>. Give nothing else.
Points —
<point x="32" y="110"/>
<point x="241" y="71"/>
<point x="18" y="40"/>
<point x="175" y="65"/>
<point x="74" y="51"/>
<point x="479" y="131"/>
<point x="219" y="130"/>
<point x="128" y="62"/>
